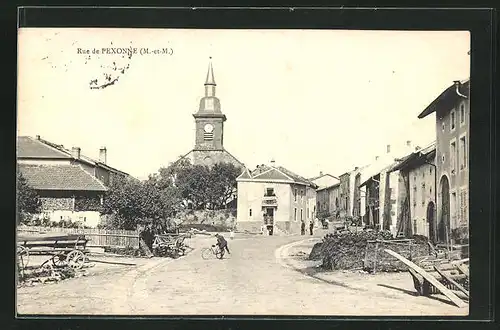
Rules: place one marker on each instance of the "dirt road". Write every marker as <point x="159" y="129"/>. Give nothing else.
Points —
<point x="258" y="278"/>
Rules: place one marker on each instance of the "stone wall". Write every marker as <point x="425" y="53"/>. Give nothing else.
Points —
<point x="56" y="203"/>
<point x="209" y="217"/>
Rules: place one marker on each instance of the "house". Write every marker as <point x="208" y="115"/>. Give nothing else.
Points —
<point x="351" y="193"/>
<point x="417" y="193"/>
<point x="325" y="180"/>
<point x="274" y="198"/>
<point x="452" y="112"/>
<point x="328" y="201"/>
<point x="381" y="185"/>
<point x="69" y="184"/>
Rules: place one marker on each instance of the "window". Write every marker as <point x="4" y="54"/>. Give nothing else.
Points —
<point x="415" y="195"/>
<point x="462" y="113"/>
<point x="464" y="216"/>
<point x="430" y="190"/>
<point x="454" y="209"/>
<point x="250" y="212"/>
<point x="301" y="216"/>
<point x="443" y="126"/>
<point x="430" y="170"/>
<point x="453" y="152"/>
<point x="442" y="158"/>
<point x="463" y="152"/>
<point x="295" y="214"/>
<point x="270" y="192"/>
<point x="452" y="123"/>
<point x="295" y="194"/>
<point x="423" y="193"/>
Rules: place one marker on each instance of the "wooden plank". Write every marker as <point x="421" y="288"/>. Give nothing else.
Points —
<point x="461" y="261"/>
<point x="463" y="270"/>
<point x="457" y="301"/>
<point x="446" y="277"/>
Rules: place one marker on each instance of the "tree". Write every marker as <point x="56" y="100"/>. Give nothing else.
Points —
<point x="134" y="203"/>
<point x="222" y="185"/>
<point x="28" y="201"/>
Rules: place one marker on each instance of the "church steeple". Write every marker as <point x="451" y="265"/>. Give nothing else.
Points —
<point x="210" y="81"/>
<point x="210" y="103"/>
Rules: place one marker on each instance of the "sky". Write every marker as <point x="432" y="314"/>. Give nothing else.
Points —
<point x="312" y="100"/>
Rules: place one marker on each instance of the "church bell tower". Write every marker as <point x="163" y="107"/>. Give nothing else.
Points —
<point x="209" y="119"/>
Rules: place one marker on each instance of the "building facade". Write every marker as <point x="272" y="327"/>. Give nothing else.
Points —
<point x="325" y="180"/>
<point x="328" y="201"/>
<point x="274" y="199"/>
<point x="452" y="111"/>
<point x="69" y="184"/>
<point x="417" y="194"/>
<point x="209" y="129"/>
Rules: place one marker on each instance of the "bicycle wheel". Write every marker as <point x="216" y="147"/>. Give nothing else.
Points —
<point x="219" y="254"/>
<point x="206" y="253"/>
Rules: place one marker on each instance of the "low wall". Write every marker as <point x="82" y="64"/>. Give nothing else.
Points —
<point x="225" y="218"/>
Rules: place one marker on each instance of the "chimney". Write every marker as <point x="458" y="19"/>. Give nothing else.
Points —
<point x="103" y="155"/>
<point x="417" y="148"/>
<point x="356" y="168"/>
<point x="38" y="137"/>
<point x="408" y="143"/>
<point x="320" y="173"/>
<point x="273" y="163"/>
<point x="75" y="152"/>
<point x="376" y="157"/>
<point x="388" y="148"/>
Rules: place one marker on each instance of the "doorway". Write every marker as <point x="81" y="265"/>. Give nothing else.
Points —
<point x="444" y="221"/>
<point x="269" y="220"/>
<point x="431" y="209"/>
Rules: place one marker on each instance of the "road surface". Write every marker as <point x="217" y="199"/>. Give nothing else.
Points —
<point x="258" y="278"/>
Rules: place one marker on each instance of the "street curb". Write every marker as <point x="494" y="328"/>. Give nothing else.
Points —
<point x="282" y="252"/>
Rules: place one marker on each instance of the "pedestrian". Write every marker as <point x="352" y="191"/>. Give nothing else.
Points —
<point x="303" y="228"/>
<point x="231" y="234"/>
<point x="311" y="226"/>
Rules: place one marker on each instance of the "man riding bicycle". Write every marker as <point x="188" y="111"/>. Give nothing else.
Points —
<point x="222" y="243"/>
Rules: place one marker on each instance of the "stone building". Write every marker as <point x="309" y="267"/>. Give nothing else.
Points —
<point x="417" y="193"/>
<point x="209" y="129"/>
<point x="274" y="198"/>
<point x="452" y="109"/>
<point x="69" y="184"/>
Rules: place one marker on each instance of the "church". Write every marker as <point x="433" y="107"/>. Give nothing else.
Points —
<point x="209" y="133"/>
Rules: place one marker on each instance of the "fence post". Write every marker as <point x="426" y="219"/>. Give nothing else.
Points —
<point x="409" y="248"/>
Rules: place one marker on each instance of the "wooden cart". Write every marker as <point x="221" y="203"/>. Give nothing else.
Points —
<point x="170" y="245"/>
<point x="64" y="250"/>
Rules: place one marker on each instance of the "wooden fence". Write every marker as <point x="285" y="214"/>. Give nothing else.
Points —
<point x="97" y="237"/>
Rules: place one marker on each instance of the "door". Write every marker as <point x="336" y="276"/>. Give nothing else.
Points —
<point x="444" y="221"/>
<point x="431" y="221"/>
<point x="270" y="220"/>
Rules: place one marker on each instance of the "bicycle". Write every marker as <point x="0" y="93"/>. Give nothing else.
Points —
<point x="214" y="250"/>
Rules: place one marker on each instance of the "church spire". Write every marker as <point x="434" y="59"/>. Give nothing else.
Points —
<point x="210" y="74"/>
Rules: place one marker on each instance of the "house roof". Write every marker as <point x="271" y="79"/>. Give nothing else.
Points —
<point x="415" y="159"/>
<point x="30" y="148"/>
<point x="323" y="175"/>
<point x="60" y="177"/>
<point x="272" y="173"/>
<point x="329" y="187"/>
<point x="446" y="98"/>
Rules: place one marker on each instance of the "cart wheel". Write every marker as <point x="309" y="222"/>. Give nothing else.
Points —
<point x="23" y="256"/>
<point x="76" y="259"/>
<point x="59" y="260"/>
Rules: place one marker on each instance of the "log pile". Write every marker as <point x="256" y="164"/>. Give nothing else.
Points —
<point x="345" y="250"/>
<point x="364" y="250"/>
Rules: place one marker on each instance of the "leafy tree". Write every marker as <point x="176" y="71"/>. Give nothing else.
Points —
<point x="28" y="201"/>
<point x="222" y="184"/>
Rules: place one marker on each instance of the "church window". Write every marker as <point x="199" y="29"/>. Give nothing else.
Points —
<point x="250" y="212"/>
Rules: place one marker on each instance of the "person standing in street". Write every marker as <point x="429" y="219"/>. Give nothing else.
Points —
<point x="303" y="228"/>
<point x="311" y="226"/>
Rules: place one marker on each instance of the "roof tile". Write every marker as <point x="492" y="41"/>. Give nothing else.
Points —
<point x="60" y="177"/>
